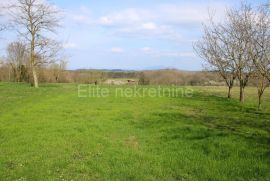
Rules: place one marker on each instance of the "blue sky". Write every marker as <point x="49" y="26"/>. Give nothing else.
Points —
<point x="134" y="34"/>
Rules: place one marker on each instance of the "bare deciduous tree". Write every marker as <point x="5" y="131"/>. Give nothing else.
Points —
<point x="34" y="20"/>
<point x="262" y="83"/>
<point x="215" y="48"/>
<point x="225" y="46"/>
<point x="259" y="49"/>
<point x="17" y="58"/>
<point x="238" y="26"/>
<point x="58" y="69"/>
<point x="4" y="70"/>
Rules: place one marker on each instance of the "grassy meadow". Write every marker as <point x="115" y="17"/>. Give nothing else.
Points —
<point x="52" y="134"/>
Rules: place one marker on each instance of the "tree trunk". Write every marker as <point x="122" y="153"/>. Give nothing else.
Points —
<point x="260" y="100"/>
<point x="33" y="62"/>
<point x="242" y="94"/>
<point x="229" y="92"/>
<point x="35" y="77"/>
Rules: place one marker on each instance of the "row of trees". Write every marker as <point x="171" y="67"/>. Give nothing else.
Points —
<point x="179" y="78"/>
<point x="239" y="47"/>
<point x="34" y="22"/>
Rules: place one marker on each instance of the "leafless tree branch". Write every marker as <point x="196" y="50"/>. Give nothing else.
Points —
<point x="34" y="21"/>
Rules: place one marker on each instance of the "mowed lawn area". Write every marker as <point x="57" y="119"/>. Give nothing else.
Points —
<point x="52" y="134"/>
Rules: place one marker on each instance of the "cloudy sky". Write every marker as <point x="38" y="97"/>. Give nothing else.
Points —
<point x="133" y="34"/>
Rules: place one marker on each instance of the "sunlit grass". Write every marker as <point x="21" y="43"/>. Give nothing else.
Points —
<point x="51" y="134"/>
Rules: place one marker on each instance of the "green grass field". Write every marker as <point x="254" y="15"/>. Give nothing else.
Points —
<point x="52" y="134"/>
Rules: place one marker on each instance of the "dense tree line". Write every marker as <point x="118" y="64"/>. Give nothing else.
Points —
<point x="56" y="73"/>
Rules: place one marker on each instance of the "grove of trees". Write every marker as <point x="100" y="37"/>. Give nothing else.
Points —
<point x="238" y="48"/>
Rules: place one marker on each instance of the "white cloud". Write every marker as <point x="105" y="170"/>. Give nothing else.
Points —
<point x="149" y="26"/>
<point x="117" y="50"/>
<point x="82" y="16"/>
<point x="162" y="21"/>
<point x="146" y="49"/>
<point x="70" y="45"/>
<point x="124" y="17"/>
<point x="190" y="13"/>
<point x="132" y="21"/>
<point x="164" y="14"/>
<point x="105" y="21"/>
